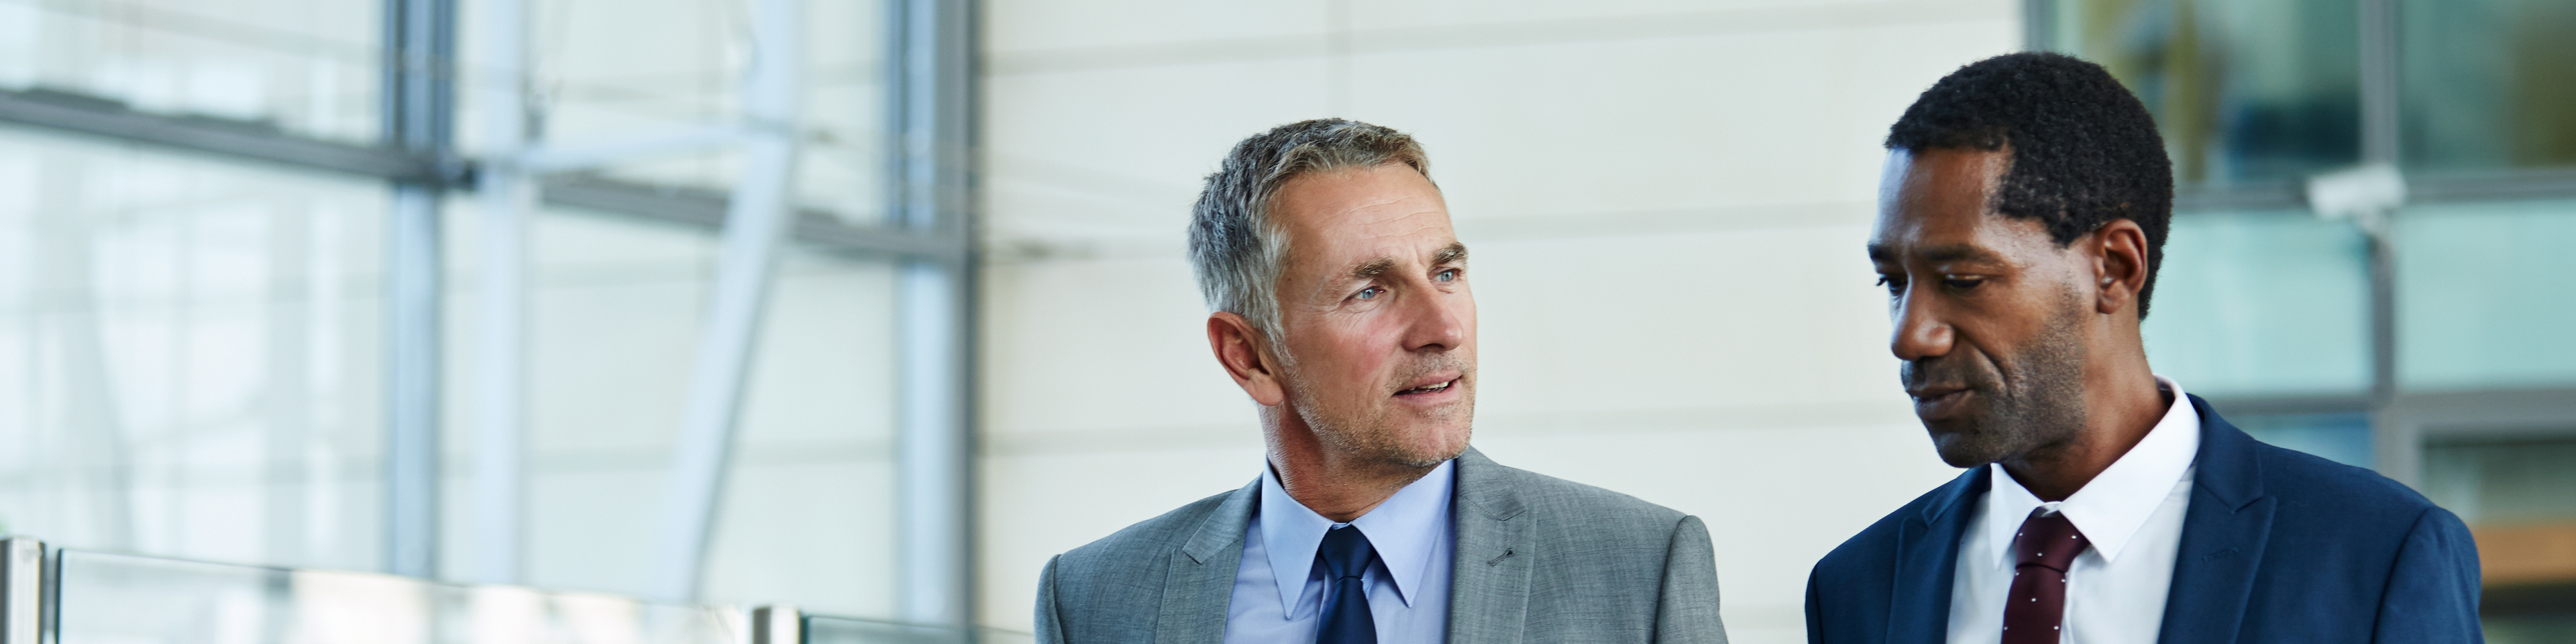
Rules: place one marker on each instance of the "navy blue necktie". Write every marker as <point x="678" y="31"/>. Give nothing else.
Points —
<point x="1346" y="555"/>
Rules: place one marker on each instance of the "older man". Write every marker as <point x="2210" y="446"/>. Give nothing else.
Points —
<point x="2022" y="218"/>
<point x="1342" y="307"/>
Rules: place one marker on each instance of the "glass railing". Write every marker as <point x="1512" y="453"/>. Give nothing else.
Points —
<point x="104" y="597"/>
<point x="824" y="629"/>
<point x="110" y="598"/>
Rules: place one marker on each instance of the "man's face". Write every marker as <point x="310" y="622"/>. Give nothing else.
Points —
<point x="1988" y="309"/>
<point x="1374" y="308"/>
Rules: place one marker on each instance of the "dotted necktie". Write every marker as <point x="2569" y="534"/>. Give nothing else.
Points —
<point x="2042" y="551"/>
<point x="1346" y="555"/>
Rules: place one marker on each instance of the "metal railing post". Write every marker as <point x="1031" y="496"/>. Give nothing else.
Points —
<point x="777" y="624"/>
<point x="22" y="591"/>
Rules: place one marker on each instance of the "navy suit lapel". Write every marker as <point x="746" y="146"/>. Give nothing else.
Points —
<point x="2223" y="535"/>
<point x="1927" y="556"/>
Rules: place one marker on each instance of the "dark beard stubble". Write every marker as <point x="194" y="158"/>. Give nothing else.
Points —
<point x="2037" y="402"/>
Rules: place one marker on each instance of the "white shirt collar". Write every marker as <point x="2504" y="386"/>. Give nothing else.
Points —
<point x="2111" y="508"/>
<point x="1403" y="530"/>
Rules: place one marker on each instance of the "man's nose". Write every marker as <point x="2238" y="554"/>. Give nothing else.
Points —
<point x="1437" y="320"/>
<point x="1919" y="331"/>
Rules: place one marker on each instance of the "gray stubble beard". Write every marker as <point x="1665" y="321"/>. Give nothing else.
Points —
<point x="1373" y="439"/>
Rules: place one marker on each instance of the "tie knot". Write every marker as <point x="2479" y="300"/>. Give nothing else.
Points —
<point x="1345" y="552"/>
<point x="2050" y="541"/>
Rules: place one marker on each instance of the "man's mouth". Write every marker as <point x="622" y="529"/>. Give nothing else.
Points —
<point x="1432" y="388"/>
<point x="1938" y="403"/>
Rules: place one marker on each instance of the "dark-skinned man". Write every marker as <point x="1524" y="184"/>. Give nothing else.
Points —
<point x="2022" y="216"/>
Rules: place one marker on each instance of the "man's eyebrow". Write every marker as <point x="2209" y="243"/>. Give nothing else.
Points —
<point x="1372" y="268"/>
<point x="1451" y="254"/>
<point x="1960" y="253"/>
<point x="1941" y="253"/>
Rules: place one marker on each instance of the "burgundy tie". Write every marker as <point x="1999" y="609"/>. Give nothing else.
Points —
<point x="2044" y="549"/>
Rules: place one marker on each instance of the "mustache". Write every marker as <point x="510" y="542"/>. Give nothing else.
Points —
<point x="1946" y="370"/>
<point x="1436" y="363"/>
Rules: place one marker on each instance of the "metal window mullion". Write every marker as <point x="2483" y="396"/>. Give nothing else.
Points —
<point x="507" y="193"/>
<point x="418" y="110"/>
<point x="2381" y="144"/>
<point x="2038" y="24"/>
<point x="932" y="95"/>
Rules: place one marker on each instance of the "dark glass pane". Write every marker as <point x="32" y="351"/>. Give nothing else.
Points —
<point x="2244" y="90"/>
<point x="2489" y="84"/>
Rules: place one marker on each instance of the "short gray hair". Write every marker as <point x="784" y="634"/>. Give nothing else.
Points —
<point x="1235" y="249"/>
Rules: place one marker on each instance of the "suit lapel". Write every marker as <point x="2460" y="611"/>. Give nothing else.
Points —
<point x="1490" y="577"/>
<point x="2223" y="535"/>
<point x="1927" y="557"/>
<point x="1200" y="580"/>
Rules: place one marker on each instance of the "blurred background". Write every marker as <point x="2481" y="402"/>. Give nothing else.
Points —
<point x="872" y="306"/>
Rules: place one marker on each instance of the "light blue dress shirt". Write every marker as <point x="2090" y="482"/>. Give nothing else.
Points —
<point x="1279" y="588"/>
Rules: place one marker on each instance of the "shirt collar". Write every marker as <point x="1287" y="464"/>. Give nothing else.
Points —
<point x="1403" y="530"/>
<point x="2111" y="508"/>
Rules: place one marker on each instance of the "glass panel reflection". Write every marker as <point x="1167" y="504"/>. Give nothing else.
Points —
<point x="127" y="599"/>
<point x="606" y="71"/>
<point x="2262" y="304"/>
<point x="295" y="66"/>
<point x="2489" y="84"/>
<point x="194" y="354"/>
<point x="2476" y="296"/>
<point x="2244" y="90"/>
<point x="616" y="305"/>
<point x="2342" y="437"/>
<point x="821" y="629"/>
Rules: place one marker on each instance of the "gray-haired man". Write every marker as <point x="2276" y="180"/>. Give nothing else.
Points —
<point x="1342" y="307"/>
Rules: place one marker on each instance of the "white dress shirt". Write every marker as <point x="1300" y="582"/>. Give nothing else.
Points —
<point x="2131" y="513"/>
<point x="1279" y="586"/>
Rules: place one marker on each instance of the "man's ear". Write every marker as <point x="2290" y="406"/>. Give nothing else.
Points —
<point x="2119" y="251"/>
<point x="1241" y="350"/>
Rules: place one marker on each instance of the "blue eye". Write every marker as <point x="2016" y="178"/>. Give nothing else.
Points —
<point x="1369" y="293"/>
<point x="1450" y="275"/>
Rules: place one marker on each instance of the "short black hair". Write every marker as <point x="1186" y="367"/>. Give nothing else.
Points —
<point x="2084" y="150"/>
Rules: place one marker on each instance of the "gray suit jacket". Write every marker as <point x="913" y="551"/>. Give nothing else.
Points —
<point x="1540" y="560"/>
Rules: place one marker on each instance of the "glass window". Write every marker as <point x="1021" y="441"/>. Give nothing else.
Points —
<point x="2489" y="84"/>
<point x="2244" y="90"/>
<point x="2262" y="304"/>
<point x="2477" y="296"/>
<point x="2340" y="437"/>
<point x="616" y="306"/>
<point x="612" y="71"/>
<point x="294" y="66"/>
<point x="193" y="354"/>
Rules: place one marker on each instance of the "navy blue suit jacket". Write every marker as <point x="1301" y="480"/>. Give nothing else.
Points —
<point x="2277" y="546"/>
